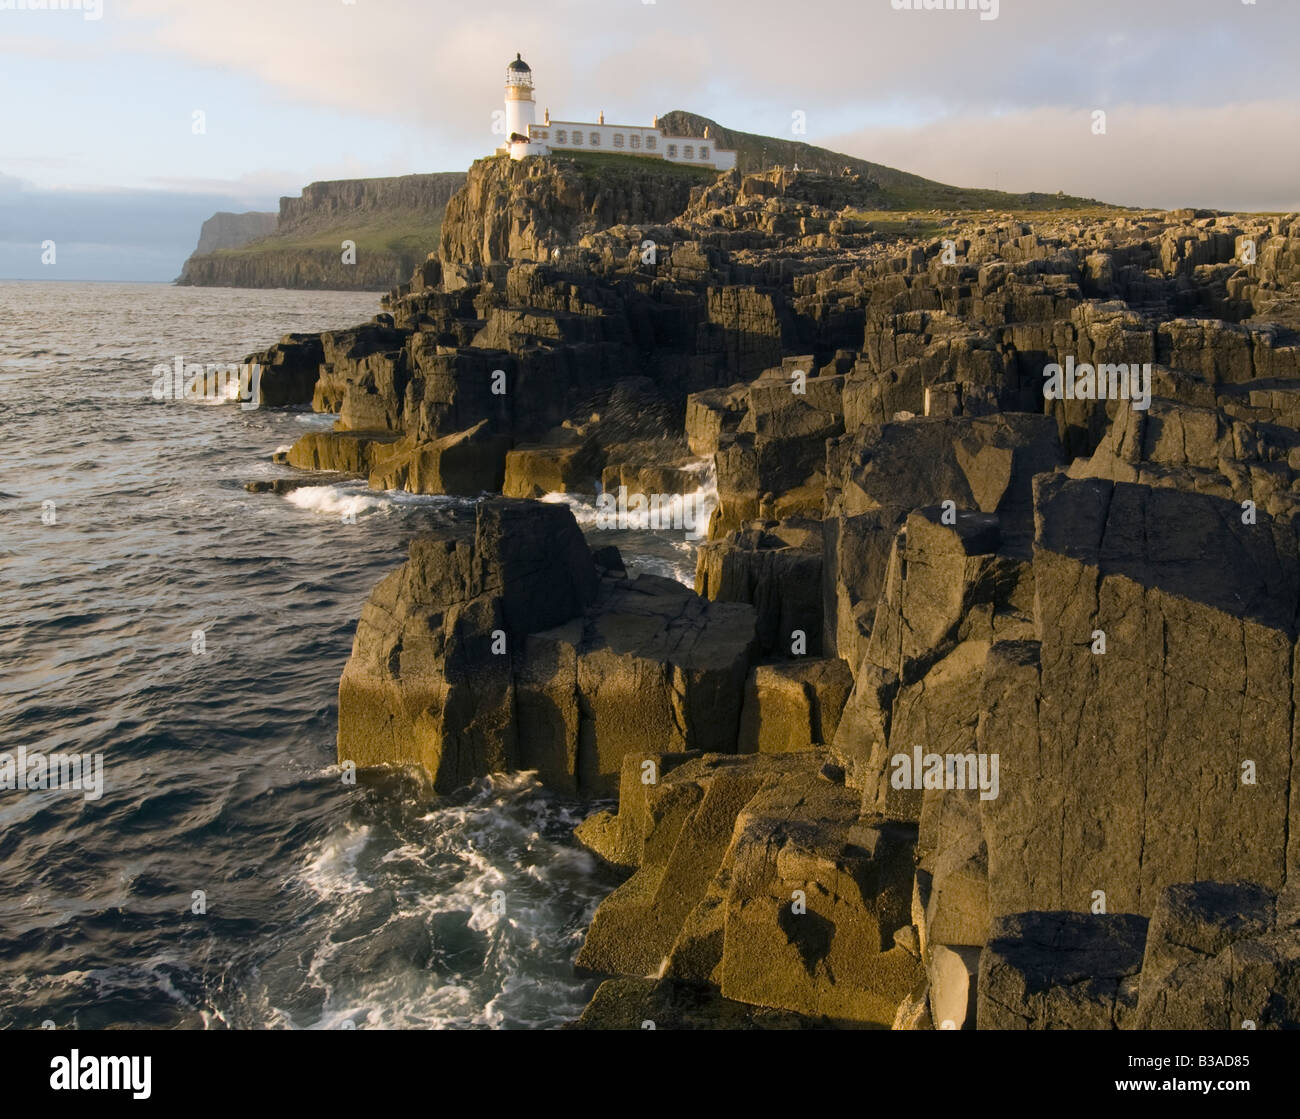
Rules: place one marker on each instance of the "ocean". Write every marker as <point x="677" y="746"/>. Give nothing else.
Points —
<point x="154" y="612"/>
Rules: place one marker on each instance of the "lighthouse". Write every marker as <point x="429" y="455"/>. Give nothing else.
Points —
<point x="521" y="109"/>
<point x="525" y="136"/>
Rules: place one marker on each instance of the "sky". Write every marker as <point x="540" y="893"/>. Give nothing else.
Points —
<point x="102" y="153"/>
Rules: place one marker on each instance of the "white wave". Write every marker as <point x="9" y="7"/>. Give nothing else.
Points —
<point x="334" y="501"/>
<point x="321" y="421"/>
<point x="333" y="870"/>
<point x="591" y="512"/>
<point x="583" y="508"/>
<point x="352" y="499"/>
<point x="478" y="908"/>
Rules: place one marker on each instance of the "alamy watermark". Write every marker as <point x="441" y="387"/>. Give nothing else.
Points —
<point x="25" y="771"/>
<point x="988" y="9"/>
<point x="89" y="9"/>
<point x="946" y="771"/>
<point x="211" y="383"/>
<point x="88" y="1073"/>
<point x="1104" y="382"/>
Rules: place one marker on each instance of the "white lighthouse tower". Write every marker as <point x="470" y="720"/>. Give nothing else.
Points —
<point x="521" y="112"/>
<point x="521" y="109"/>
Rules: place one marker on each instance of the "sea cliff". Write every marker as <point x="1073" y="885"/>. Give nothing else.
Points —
<point x="981" y="711"/>
<point x="347" y="234"/>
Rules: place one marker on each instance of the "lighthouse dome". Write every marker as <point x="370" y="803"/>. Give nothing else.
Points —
<point x="519" y="66"/>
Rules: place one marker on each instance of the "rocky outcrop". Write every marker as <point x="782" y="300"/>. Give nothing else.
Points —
<point x="754" y="875"/>
<point x="289" y="370"/>
<point x="1061" y="971"/>
<point x="1214" y="956"/>
<point x="1221" y="956"/>
<point x="430" y="681"/>
<point x="531" y="209"/>
<point x="460" y="668"/>
<point x="983" y="713"/>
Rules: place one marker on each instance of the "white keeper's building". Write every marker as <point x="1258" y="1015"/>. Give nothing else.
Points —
<point x="525" y="136"/>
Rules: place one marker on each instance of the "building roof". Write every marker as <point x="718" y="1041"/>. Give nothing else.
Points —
<point x="519" y="65"/>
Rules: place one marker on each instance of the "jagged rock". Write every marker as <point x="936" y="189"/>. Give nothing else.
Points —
<point x="429" y="681"/>
<point x="776" y="448"/>
<point x="881" y="474"/>
<point x="948" y="594"/>
<point x="794" y="705"/>
<point x="914" y="1011"/>
<point x="533" y="471"/>
<point x="1221" y="956"/>
<point x="467" y="463"/>
<point x="652" y="666"/>
<point x="289" y="370"/>
<point x="351" y="452"/>
<point x="510" y="210"/>
<point x="724" y="844"/>
<point x="777" y="567"/>
<point x="1061" y="971"/>
<point x="836" y="959"/>
<point x="1132" y="767"/>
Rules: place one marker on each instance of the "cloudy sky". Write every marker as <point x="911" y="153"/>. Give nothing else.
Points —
<point x="98" y="147"/>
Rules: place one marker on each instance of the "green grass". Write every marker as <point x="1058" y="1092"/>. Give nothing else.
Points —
<point x="403" y="235"/>
<point x="637" y="164"/>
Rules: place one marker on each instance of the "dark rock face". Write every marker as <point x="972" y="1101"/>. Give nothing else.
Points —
<point x="1138" y="753"/>
<point x="430" y="681"/>
<point x="1215" y="956"/>
<point x="754" y="875"/>
<point x="525" y="210"/>
<point x="1061" y="971"/>
<point x="290" y="370"/>
<point x="1221" y="956"/>
<point x="506" y="647"/>
<point x="983" y="715"/>
<point x="777" y="567"/>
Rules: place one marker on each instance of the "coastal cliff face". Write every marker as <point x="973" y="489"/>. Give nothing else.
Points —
<point x="529" y="209"/>
<point x="232" y="231"/>
<point x="981" y="713"/>
<point x="392" y="223"/>
<point x="310" y="269"/>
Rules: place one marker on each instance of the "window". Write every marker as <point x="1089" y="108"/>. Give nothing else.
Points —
<point x="650" y="142"/>
<point x="618" y="139"/>
<point x="634" y="141"/>
<point x="672" y="151"/>
<point x="704" y="151"/>
<point x="577" y="137"/>
<point x="595" y="139"/>
<point x="539" y="135"/>
<point x="562" y="136"/>
<point x="688" y="152"/>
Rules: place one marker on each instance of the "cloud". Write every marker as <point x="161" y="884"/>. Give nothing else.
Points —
<point x="440" y="65"/>
<point x="1231" y="157"/>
